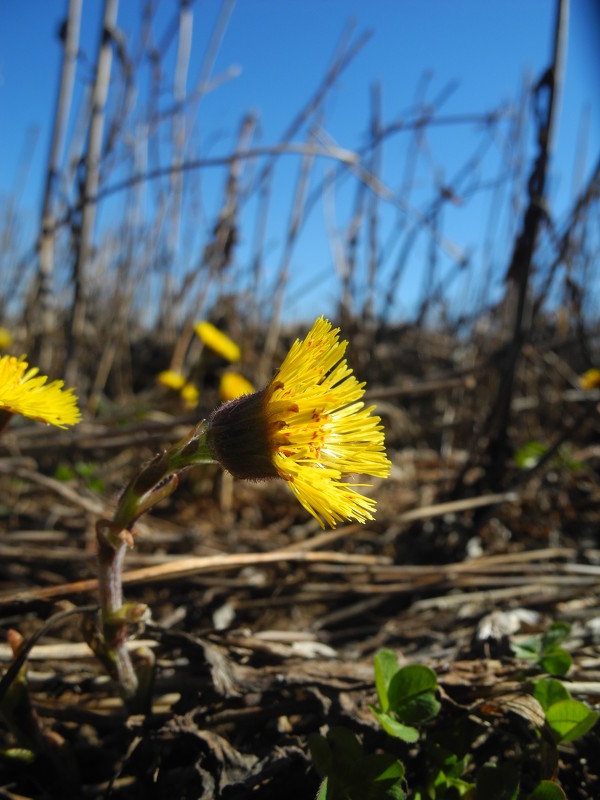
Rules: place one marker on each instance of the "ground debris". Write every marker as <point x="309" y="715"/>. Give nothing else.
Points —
<point x="265" y="628"/>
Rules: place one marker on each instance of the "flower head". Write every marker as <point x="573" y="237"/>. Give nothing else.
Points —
<point x="309" y="427"/>
<point x="217" y="341"/>
<point x="6" y="338"/>
<point x="171" y="379"/>
<point x="23" y="391"/>
<point x="190" y="395"/>
<point x="590" y="379"/>
<point x="234" y="385"/>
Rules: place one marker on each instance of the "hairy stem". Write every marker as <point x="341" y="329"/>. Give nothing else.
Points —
<point x="155" y="481"/>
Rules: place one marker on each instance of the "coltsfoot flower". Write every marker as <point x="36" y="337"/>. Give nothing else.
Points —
<point x="171" y="379"/>
<point x="590" y="379"/>
<point x="6" y="338"/>
<point x="23" y="391"/>
<point x="218" y="341"/>
<point x="309" y="427"/>
<point x="234" y="385"/>
<point x="190" y="394"/>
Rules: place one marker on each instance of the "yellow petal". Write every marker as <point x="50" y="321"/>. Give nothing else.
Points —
<point x="590" y="379"/>
<point x="218" y="341"/>
<point x="23" y="391"/>
<point x="171" y="379"/>
<point x="234" y="385"/>
<point x="190" y="395"/>
<point x="6" y="338"/>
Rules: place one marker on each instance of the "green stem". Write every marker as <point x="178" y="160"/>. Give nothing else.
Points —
<point x="155" y="481"/>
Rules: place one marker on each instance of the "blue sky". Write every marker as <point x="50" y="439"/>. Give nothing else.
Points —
<point x="282" y="50"/>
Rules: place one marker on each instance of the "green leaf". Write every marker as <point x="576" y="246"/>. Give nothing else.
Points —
<point x="20" y="754"/>
<point x="546" y="650"/>
<point x="386" y="666"/>
<point x="570" y="719"/>
<point x="394" y="772"/>
<point x="85" y="469"/>
<point x="420" y="709"/>
<point x="349" y="774"/>
<point x="555" y="635"/>
<point x="555" y="661"/>
<point x="497" y="783"/>
<point x="344" y="745"/>
<point x="461" y="786"/>
<point x="411" y="694"/>
<point x="409" y="682"/>
<point x="529" y="455"/>
<point x="382" y="768"/>
<point x="565" y="459"/>
<point x="395" y="792"/>
<point x="322" y="795"/>
<point x="63" y="473"/>
<point x="547" y="790"/>
<point x="453" y="767"/>
<point x="320" y="753"/>
<point x="528" y="649"/>
<point x="394" y="728"/>
<point x="444" y="780"/>
<point x="548" y="691"/>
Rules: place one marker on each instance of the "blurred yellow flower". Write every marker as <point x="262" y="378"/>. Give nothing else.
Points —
<point x="590" y="379"/>
<point x="234" y="385"/>
<point x="217" y="341"/>
<point x="309" y="427"/>
<point x="6" y="338"/>
<point x="23" y="391"/>
<point x="190" y="395"/>
<point x="171" y="379"/>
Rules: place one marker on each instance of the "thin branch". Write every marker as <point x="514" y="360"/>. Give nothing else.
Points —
<point x="43" y="291"/>
<point x="92" y="177"/>
<point x="546" y="92"/>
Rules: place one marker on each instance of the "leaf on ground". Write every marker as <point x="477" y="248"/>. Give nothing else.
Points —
<point x="570" y="719"/>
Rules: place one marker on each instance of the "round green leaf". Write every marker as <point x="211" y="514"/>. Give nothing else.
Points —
<point x="556" y="661"/>
<point x="548" y="691"/>
<point x="409" y="682"/>
<point x="419" y="709"/>
<point x="344" y="744"/>
<point x="386" y="666"/>
<point x="394" y="728"/>
<point x="570" y="719"/>
<point x="382" y="768"/>
<point x="320" y="753"/>
<point x="555" y="635"/>
<point x="547" y="790"/>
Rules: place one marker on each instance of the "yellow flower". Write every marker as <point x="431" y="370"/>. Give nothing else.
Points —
<point x="171" y="379"/>
<point x="590" y="379"/>
<point x="309" y="427"/>
<point x="23" y="391"/>
<point x="6" y="338"/>
<point x="217" y="341"/>
<point x="190" y="395"/>
<point x="234" y="385"/>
